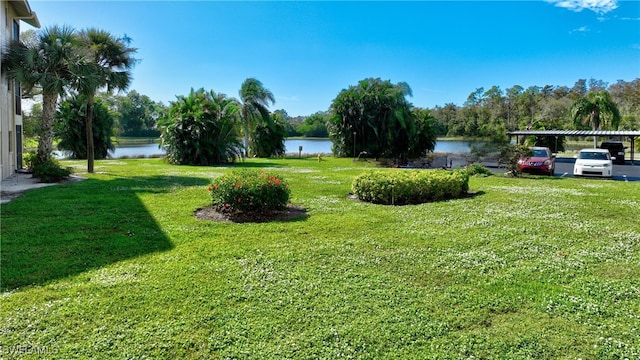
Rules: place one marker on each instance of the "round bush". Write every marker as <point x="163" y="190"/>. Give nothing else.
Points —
<point x="249" y="190"/>
<point x="478" y="170"/>
<point x="50" y="171"/>
<point x="402" y="187"/>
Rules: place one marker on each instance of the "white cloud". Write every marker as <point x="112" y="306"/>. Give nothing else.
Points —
<point x="597" y="6"/>
<point x="580" y="29"/>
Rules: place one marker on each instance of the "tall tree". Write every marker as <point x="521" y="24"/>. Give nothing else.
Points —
<point x="314" y="125"/>
<point x="530" y="100"/>
<point x="627" y="97"/>
<point x="495" y="102"/>
<point x="255" y="100"/>
<point x="513" y="94"/>
<point x="596" y="109"/>
<point x="446" y="119"/>
<point x="597" y="85"/>
<point x="132" y="112"/>
<point x="138" y="114"/>
<point x="71" y="132"/>
<point x="269" y="140"/>
<point x="31" y="121"/>
<point x="578" y="90"/>
<point x="44" y="64"/>
<point x="424" y="138"/>
<point x="373" y="116"/>
<point x="105" y="62"/>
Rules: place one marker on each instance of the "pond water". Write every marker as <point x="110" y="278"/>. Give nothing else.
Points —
<point x="137" y="150"/>
<point x="309" y="146"/>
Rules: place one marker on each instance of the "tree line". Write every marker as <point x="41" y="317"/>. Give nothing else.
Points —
<point x="491" y="111"/>
<point x="373" y="117"/>
<point x="131" y="115"/>
<point x="496" y="111"/>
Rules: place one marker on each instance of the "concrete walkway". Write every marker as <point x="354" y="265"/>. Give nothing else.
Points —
<point x="16" y="184"/>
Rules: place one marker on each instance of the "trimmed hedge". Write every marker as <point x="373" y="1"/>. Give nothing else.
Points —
<point x="402" y="187"/>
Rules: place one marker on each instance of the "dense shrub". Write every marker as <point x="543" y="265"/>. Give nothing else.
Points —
<point x="479" y="170"/>
<point x="29" y="158"/>
<point x="268" y="139"/>
<point x="50" y="171"/>
<point x="201" y="129"/>
<point x="401" y="187"/>
<point x="72" y="128"/>
<point x="249" y="190"/>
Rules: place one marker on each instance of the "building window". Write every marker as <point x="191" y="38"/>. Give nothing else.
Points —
<point x="16" y="90"/>
<point x="16" y="85"/>
<point x="16" y="30"/>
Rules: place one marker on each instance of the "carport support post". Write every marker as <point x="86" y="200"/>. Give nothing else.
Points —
<point x="633" y="146"/>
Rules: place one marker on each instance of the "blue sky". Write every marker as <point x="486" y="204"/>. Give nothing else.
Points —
<point x="307" y="52"/>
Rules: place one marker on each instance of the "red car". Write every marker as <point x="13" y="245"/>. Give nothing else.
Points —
<point x="541" y="162"/>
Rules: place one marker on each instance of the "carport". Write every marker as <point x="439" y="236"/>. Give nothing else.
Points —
<point x="631" y="134"/>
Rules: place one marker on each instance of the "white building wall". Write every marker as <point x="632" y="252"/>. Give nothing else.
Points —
<point x="8" y="117"/>
<point x="7" y="120"/>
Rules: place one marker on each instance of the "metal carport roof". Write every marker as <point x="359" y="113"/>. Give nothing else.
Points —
<point x="631" y="133"/>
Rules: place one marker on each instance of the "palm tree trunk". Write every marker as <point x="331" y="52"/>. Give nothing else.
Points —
<point x="45" y="143"/>
<point x="246" y="141"/>
<point x="595" y="125"/>
<point x="89" y="123"/>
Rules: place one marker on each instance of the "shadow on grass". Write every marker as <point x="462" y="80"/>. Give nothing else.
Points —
<point x="467" y="195"/>
<point x="64" y="230"/>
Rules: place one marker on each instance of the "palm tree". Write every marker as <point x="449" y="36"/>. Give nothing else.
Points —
<point x="72" y="134"/>
<point x="373" y="116"/>
<point x="201" y="129"/>
<point x="104" y="62"/>
<point x="226" y="145"/>
<point x="43" y="64"/>
<point x="597" y="109"/>
<point x="254" y="108"/>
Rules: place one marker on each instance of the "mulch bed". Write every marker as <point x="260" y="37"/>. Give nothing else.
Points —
<point x="292" y="212"/>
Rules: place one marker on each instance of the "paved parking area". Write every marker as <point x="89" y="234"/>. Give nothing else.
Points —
<point x="564" y="168"/>
<point x="626" y="172"/>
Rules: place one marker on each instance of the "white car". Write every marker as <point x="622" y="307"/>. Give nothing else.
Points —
<point x="593" y="162"/>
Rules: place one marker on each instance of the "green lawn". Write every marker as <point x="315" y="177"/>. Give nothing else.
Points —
<point x="117" y="267"/>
